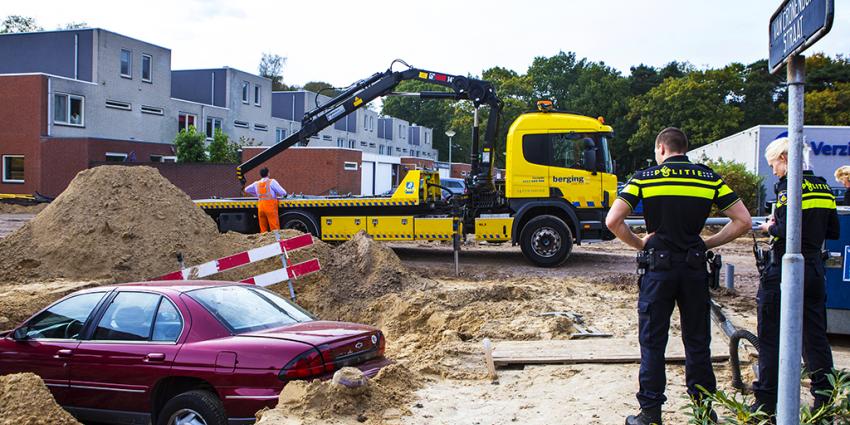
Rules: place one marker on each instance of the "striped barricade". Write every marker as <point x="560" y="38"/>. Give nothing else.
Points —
<point x="279" y="248"/>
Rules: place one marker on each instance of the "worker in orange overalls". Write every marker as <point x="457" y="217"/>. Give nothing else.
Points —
<point x="268" y="191"/>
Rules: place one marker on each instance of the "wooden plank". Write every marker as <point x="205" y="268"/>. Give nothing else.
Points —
<point x="614" y="350"/>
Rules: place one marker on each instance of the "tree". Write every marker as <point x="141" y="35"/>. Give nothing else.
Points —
<point x="271" y="67"/>
<point x="190" y="145"/>
<point x="761" y="92"/>
<point x="746" y="184"/>
<point x="700" y="103"/>
<point x="435" y="114"/>
<point x="17" y="23"/>
<point x="829" y="106"/>
<point x="221" y="149"/>
<point x="321" y="87"/>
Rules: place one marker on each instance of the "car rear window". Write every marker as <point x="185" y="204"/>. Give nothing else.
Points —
<point x="242" y="309"/>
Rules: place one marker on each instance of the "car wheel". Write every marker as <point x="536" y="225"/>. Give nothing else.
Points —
<point x="193" y="408"/>
<point x="546" y="241"/>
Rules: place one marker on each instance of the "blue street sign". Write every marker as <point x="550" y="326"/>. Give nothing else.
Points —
<point x="795" y="26"/>
<point x="846" y="270"/>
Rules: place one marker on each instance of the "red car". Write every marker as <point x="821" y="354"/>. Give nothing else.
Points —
<point x="194" y="353"/>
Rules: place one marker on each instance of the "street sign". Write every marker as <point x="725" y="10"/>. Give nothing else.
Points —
<point x="795" y="26"/>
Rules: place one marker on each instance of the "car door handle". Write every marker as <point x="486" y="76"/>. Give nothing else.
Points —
<point x="155" y="357"/>
<point x="64" y="353"/>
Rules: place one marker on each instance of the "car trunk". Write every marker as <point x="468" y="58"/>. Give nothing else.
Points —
<point x="340" y="344"/>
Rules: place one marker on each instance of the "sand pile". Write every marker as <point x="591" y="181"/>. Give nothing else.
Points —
<point x="112" y="222"/>
<point x="382" y="400"/>
<point x="24" y="399"/>
<point x="353" y="275"/>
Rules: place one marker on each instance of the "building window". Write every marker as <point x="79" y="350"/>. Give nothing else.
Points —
<point x="261" y="127"/>
<point x="327" y="137"/>
<point x="240" y="124"/>
<point x="257" y="95"/>
<point x="245" y="86"/>
<point x="400" y="131"/>
<point x="349" y="166"/>
<point x="352" y="143"/>
<point x="13" y="168"/>
<point x="426" y="138"/>
<point x="116" y="157"/>
<point x="362" y="143"/>
<point x="146" y="68"/>
<point x="68" y="109"/>
<point x="126" y="63"/>
<point x="152" y="110"/>
<point x="163" y="158"/>
<point x="381" y="149"/>
<point x="279" y="134"/>
<point x="371" y="145"/>
<point x="213" y="124"/>
<point x="340" y="142"/>
<point x="184" y="121"/>
<point x="114" y="104"/>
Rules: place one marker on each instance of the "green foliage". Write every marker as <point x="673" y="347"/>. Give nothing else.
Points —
<point x="435" y="114"/>
<point x="749" y="186"/>
<point x="735" y="408"/>
<point x="17" y="23"/>
<point x="322" y="88"/>
<point x="221" y="149"/>
<point x="699" y="103"/>
<point x="829" y="106"/>
<point x="271" y="67"/>
<point x="190" y="145"/>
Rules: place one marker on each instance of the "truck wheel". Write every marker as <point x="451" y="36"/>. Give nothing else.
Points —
<point x="299" y="221"/>
<point x="194" y="407"/>
<point x="546" y="241"/>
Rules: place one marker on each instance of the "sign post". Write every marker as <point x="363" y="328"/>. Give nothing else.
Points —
<point x="795" y="26"/>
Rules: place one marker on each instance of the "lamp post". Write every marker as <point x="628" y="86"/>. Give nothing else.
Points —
<point x="451" y="134"/>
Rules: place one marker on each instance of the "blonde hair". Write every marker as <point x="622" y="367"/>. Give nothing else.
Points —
<point x="776" y="148"/>
<point x="842" y="173"/>
<point x="780" y="146"/>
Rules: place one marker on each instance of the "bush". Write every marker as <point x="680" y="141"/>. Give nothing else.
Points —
<point x="190" y="145"/>
<point x="735" y="410"/>
<point x="747" y="185"/>
<point x="222" y="150"/>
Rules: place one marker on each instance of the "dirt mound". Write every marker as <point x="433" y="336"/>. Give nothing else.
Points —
<point x="112" y="222"/>
<point x="353" y="275"/>
<point x="381" y="400"/>
<point x="24" y="399"/>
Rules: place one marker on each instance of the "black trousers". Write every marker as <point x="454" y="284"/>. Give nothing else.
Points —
<point x="660" y="291"/>
<point x="816" y="351"/>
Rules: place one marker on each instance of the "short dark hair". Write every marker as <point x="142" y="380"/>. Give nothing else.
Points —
<point x="264" y="172"/>
<point x="673" y="139"/>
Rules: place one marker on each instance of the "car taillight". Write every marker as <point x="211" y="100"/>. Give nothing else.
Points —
<point x="382" y="343"/>
<point x="305" y="365"/>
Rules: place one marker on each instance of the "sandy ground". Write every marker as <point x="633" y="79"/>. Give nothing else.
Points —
<point x="435" y="321"/>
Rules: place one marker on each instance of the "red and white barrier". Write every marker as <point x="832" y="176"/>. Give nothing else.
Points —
<point x="280" y="275"/>
<point x="241" y="259"/>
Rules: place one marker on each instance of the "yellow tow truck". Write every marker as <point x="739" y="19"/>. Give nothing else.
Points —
<point x="558" y="185"/>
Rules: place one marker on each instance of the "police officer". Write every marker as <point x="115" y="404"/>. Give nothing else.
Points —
<point x="820" y="221"/>
<point x="677" y="198"/>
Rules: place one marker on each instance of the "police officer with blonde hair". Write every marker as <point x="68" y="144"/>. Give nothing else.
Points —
<point x="677" y="196"/>
<point x="820" y="221"/>
<point x="842" y="175"/>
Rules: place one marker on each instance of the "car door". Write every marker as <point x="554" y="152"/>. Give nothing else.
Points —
<point x="45" y="343"/>
<point x="131" y="346"/>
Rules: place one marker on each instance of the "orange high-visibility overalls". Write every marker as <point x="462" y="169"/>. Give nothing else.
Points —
<point x="267" y="207"/>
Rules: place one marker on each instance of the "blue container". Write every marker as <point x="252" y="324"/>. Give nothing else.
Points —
<point x="838" y="278"/>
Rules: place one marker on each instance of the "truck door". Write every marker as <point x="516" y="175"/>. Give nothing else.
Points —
<point x="574" y="156"/>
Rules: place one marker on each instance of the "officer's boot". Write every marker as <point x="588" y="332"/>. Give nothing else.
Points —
<point x="646" y="417"/>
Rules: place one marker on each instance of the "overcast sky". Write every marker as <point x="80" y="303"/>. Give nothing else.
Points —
<point x="342" y="41"/>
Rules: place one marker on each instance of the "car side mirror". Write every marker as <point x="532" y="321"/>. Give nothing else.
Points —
<point x="20" y="334"/>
